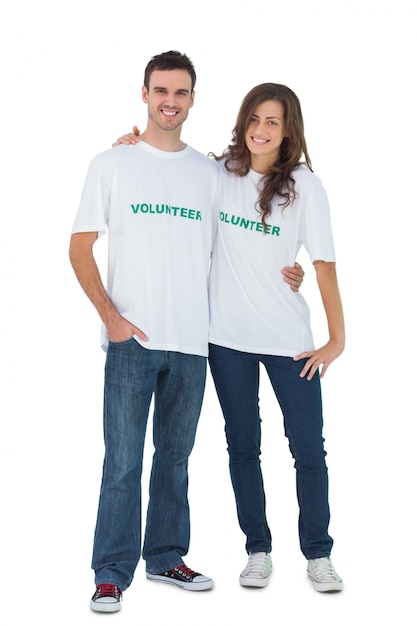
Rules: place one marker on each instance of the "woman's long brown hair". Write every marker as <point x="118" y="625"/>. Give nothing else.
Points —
<point x="278" y="179"/>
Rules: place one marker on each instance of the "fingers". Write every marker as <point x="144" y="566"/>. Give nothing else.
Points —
<point x="139" y="334"/>
<point x="293" y="276"/>
<point x="311" y="365"/>
<point x="122" y="330"/>
<point x="293" y="280"/>
<point x="322" y="357"/>
<point x="310" y="369"/>
<point x="301" y="272"/>
<point x="130" y="138"/>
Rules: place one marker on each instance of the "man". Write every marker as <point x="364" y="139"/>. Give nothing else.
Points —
<point x="157" y="200"/>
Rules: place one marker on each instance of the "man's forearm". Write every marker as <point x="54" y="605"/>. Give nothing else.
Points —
<point x="88" y="275"/>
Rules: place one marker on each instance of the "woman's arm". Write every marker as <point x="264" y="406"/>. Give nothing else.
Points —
<point x="330" y="295"/>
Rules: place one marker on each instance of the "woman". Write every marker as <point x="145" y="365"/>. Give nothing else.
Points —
<point x="273" y="203"/>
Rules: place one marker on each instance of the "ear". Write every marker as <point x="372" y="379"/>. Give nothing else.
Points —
<point x="192" y="99"/>
<point x="144" y="94"/>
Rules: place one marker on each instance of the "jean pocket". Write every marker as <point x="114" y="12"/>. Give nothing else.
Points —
<point x="121" y="343"/>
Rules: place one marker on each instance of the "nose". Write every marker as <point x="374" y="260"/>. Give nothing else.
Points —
<point x="261" y="128"/>
<point x="171" y="101"/>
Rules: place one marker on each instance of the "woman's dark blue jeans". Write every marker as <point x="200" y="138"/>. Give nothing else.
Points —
<point x="236" y="378"/>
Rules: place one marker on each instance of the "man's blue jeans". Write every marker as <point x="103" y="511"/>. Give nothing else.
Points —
<point x="236" y="377"/>
<point x="133" y="375"/>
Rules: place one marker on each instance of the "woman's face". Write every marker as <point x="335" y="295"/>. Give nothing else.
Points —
<point x="265" y="133"/>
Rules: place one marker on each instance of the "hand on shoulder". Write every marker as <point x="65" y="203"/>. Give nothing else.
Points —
<point x="130" y="138"/>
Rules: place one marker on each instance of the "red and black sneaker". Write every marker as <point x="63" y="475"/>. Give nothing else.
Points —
<point x="184" y="577"/>
<point x="107" y="598"/>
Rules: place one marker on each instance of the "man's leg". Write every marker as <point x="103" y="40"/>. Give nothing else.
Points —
<point x="178" y="400"/>
<point x="130" y="378"/>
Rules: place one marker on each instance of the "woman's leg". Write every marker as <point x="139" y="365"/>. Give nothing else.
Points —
<point x="301" y="405"/>
<point x="236" y="378"/>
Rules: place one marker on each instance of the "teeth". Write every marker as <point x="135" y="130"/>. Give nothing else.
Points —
<point x="170" y="113"/>
<point x="259" y="140"/>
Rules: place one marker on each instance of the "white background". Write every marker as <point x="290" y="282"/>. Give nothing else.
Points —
<point x="71" y="76"/>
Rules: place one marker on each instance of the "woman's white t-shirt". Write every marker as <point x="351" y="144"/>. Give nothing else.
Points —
<point x="251" y="308"/>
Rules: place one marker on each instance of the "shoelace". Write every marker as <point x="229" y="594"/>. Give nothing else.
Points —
<point x="256" y="562"/>
<point x="185" y="570"/>
<point x="323" y="570"/>
<point x="108" y="591"/>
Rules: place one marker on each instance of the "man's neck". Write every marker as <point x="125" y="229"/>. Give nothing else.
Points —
<point x="163" y="140"/>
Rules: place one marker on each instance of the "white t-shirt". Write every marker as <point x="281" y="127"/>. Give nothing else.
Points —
<point x="160" y="211"/>
<point x="251" y="308"/>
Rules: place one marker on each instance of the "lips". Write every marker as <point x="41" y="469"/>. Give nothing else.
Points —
<point x="259" y="141"/>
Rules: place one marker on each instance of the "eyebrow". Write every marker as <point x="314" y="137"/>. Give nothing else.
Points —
<point x="180" y="88"/>
<point x="271" y="117"/>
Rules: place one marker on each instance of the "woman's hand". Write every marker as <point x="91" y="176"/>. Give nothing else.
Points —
<point x="323" y="356"/>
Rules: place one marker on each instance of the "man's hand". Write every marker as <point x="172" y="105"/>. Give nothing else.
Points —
<point x="294" y="276"/>
<point x="120" y="329"/>
<point x="130" y="138"/>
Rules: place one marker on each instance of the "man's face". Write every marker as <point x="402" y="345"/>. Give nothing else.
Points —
<point x="169" y="98"/>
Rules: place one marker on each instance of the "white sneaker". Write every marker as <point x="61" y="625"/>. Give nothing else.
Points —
<point x="257" y="571"/>
<point x="323" y="575"/>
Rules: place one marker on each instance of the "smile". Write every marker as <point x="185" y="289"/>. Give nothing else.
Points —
<point x="169" y="113"/>
<point x="259" y="141"/>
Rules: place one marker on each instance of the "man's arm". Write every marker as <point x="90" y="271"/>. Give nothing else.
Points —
<point x="86" y="270"/>
<point x="129" y="138"/>
<point x="294" y="276"/>
<point x="330" y="295"/>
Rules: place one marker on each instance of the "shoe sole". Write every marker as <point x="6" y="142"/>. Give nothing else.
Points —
<point x="253" y="582"/>
<point x="325" y="587"/>
<point x="105" y="607"/>
<point x="201" y="586"/>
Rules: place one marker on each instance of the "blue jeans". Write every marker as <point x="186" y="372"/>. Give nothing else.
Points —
<point x="133" y="375"/>
<point x="236" y="378"/>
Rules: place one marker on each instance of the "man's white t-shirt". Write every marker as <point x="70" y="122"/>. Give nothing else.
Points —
<point x="251" y="308"/>
<point x="160" y="212"/>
